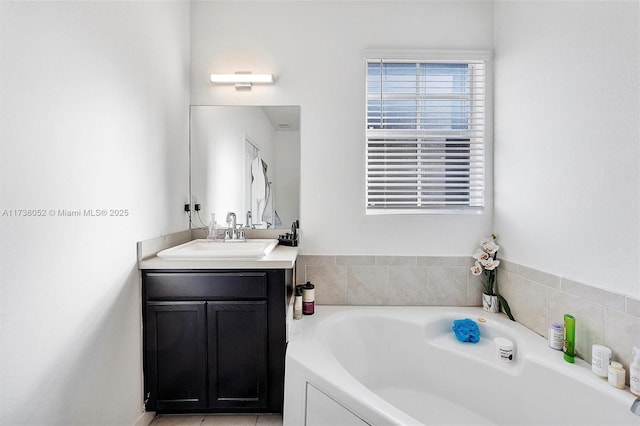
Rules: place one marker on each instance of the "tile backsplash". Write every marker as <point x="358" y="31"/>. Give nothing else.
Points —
<point x="390" y="280"/>
<point x="536" y="298"/>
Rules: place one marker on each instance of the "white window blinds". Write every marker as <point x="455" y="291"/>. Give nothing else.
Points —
<point x="425" y="136"/>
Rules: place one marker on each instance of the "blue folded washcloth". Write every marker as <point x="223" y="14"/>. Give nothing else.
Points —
<point x="466" y="330"/>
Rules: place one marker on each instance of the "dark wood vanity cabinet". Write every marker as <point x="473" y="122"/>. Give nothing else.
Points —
<point x="214" y="340"/>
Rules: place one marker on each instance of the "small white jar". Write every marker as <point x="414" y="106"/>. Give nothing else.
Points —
<point x="504" y="349"/>
<point x="556" y="336"/>
<point x="616" y="375"/>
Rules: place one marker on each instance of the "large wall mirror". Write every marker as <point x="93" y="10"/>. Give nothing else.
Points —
<point x="246" y="160"/>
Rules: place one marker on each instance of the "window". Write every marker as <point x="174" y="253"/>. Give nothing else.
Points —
<point x="425" y="136"/>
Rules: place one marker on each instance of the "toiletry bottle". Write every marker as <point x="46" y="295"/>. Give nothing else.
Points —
<point x="616" y="375"/>
<point x="308" y="299"/>
<point x="297" y="303"/>
<point x="600" y="356"/>
<point x="569" y="347"/>
<point x="212" y="228"/>
<point x="556" y="336"/>
<point x="634" y="372"/>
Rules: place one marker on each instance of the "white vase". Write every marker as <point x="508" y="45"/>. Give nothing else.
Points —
<point x="490" y="303"/>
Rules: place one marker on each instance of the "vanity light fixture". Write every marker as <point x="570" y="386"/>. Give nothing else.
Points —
<point x="242" y="80"/>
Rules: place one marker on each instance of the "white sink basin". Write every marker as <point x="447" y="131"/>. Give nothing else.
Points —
<point x="217" y="250"/>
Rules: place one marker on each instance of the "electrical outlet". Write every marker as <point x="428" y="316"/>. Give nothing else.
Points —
<point x="187" y="208"/>
<point x="196" y="206"/>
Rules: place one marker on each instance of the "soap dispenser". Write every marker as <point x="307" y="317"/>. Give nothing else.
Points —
<point x="212" y="228"/>
<point x="634" y="372"/>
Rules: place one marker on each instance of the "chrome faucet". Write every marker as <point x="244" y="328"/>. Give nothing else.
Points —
<point x="233" y="233"/>
<point x="635" y="407"/>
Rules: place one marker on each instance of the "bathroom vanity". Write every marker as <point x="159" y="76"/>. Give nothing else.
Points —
<point x="215" y="333"/>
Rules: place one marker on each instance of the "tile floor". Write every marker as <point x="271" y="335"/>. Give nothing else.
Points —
<point x="217" y="420"/>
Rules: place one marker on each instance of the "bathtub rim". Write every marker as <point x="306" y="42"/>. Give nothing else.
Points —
<point x="333" y="379"/>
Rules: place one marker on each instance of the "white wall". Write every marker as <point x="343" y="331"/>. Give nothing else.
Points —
<point x="315" y="49"/>
<point x="567" y="111"/>
<point x="93" y="115"/>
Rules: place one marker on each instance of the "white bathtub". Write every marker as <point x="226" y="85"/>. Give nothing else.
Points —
<point x="404" y="366"/>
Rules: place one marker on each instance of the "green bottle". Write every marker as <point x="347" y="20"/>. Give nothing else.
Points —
<point x="569" y="347"/>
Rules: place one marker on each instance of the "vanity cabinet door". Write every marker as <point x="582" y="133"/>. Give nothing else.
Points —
<point x="175" y="355"/>
<point x="237" y="354"/>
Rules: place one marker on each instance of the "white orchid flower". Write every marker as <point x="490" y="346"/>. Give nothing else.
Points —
<point x="476" y="269"/>
<point x="481" y="255"/>
<point x="489" y="246"/>
<point x="490" y="264"/>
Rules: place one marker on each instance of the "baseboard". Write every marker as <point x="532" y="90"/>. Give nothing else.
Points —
<point x="146" y="418"/>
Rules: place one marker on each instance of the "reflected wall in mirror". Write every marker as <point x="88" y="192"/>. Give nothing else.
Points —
<point x="246" y="160"/>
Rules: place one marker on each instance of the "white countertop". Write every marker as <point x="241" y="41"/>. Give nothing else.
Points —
<point x="281" y="257"/>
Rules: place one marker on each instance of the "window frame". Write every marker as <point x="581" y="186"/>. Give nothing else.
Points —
<point x="484" y="157"/>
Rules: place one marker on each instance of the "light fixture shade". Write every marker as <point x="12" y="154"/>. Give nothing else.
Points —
<point x="242" y="78"/>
